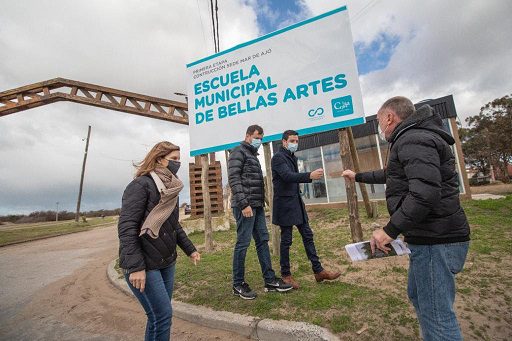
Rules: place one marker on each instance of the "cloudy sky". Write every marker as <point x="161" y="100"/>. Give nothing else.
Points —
<point x="420" y="49"/>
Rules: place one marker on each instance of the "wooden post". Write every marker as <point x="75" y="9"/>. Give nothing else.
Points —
<point x="357" y="169"/>
<point x="208" y="235"/>
<point x="355" y="224"/>
<point x="227" y="208"/>
<point x="276" y="236"/>
<point x="460" y="155"/>
<point x="79" y="201"/>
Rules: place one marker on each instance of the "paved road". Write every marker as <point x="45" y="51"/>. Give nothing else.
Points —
<point x="57" y="289"/>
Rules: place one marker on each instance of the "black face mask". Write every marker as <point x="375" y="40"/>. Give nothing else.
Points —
<point x="173" y="166"/>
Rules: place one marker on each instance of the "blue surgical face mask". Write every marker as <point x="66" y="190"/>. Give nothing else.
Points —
<point x="256" y="143"/>
<point x="292" y="147"/>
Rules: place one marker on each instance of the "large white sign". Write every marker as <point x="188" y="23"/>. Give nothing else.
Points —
<point x="303" y="77"/>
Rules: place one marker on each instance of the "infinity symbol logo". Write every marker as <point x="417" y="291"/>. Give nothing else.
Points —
<point x="316" y="112"/>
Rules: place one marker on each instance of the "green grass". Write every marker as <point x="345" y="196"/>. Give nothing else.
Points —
<point x="491" y="222"/>
<point x="32" y="232"/>
<point x="358" y="299"/>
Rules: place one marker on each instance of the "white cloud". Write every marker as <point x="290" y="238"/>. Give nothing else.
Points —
<point x="138" y="46"/>
<point x="455" y="47"/>
<point x="447" y="47"/>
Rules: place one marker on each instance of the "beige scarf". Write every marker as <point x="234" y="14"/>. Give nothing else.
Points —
<point x="168" y="200"/>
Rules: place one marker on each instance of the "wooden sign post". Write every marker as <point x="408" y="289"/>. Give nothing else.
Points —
<point x="353" y="212"/>
<point x="208" y="234"/>
<point x="276" y="236"/>
<point x="227" y="206"/>
<point x="357" y="169"/>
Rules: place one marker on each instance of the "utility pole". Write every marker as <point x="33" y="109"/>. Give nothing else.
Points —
<point x="57" y="212"/>
<point x="77" y="215"/>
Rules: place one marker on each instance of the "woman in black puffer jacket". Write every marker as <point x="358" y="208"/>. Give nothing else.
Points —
<point x="149" y="232"/>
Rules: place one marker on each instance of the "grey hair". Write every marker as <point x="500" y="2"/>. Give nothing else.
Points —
<point x="402" y="106"/>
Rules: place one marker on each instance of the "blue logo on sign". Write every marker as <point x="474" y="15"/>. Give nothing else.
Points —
<point x="342" y="106"/>
<point x="316" y="112"/>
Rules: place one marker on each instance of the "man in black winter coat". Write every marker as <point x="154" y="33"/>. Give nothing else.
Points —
<point x="289" y="209"/>
<point x="422" y="196"/>
<point x="248" y="200"/>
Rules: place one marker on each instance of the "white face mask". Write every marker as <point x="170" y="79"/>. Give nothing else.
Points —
<point x="292" y="147"/>
<point x="256" y="143"/>
<point x="382" y="134"/>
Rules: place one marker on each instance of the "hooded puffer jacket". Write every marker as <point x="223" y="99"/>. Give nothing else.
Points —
<point x="245" y="177"/>
<point x="422" y="185"/>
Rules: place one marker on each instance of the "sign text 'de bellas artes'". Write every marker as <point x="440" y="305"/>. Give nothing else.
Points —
<point x="303" y="77"/>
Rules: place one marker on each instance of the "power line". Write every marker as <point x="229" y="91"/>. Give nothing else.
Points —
<point x="213" y="27"/>
<point x="366" y="8"/>
<point x="201" y="20"/>
<point x="217" y="24"/>
<point x="363" y="9"/>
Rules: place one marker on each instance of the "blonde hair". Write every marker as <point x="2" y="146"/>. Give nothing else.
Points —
<point x="156" y="153"/>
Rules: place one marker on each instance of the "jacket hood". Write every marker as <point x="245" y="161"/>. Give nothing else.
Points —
<point x="423" y="118"/>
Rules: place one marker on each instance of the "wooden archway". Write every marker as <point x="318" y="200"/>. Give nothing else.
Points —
<point x="61" y="89"/>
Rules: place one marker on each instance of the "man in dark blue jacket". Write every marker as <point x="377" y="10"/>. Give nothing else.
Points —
<point x="289" y="209"/>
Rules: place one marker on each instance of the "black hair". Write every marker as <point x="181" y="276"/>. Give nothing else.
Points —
<point x="288" y="133"/>
<point x="254" y="128"/>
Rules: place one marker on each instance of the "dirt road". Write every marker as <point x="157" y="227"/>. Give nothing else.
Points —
<point x="57" y="289"/>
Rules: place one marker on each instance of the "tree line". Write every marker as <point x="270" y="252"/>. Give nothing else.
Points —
<point x="42" y="216"/>
<point x="487" y="141"/>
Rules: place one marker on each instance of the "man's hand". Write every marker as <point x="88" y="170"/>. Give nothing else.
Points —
<point x="349" y="174"/>
<point x="247" y="212"/>
<point x="379" y="240"/>
<point x="138" y="279"/>
<point x="316" y="174"/>
<point x="195" y="257"/>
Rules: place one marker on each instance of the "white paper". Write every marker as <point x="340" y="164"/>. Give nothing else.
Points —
<point x="362" y="250"/>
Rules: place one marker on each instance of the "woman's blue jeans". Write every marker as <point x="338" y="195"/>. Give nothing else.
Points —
<point x="156" y="301"/>
<point x="431" y="288"/>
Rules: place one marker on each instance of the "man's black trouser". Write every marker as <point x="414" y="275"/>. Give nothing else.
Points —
<point x="309" y="245"/>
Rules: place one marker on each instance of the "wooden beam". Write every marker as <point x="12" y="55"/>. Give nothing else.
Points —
<point x="460" y="157"/>
<point x="60" y="89"/>
<point x="86" y="93"/>
<point x="112" y="99"/>
<point x="353" y="210"/>
<point x="159" y="108"/>
<point x="208" y="234"/>
<point x="357" y="169"/>
<point x="276" y="235"/>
